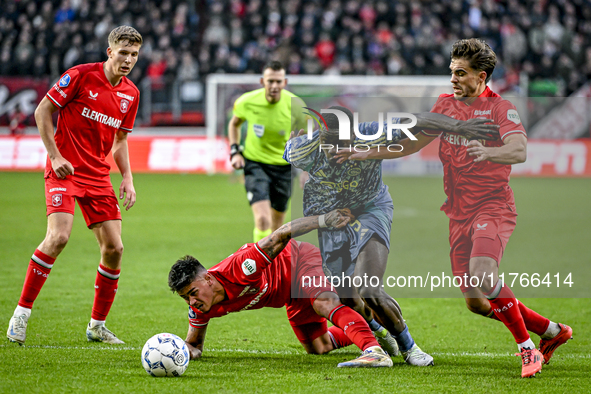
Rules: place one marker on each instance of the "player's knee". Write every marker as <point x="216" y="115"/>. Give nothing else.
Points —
<point x="262" y="222"/>
<point x="324" y="304"/>
<point x="112" y="251"/>
<point x="57" y="239"/>
<point x="318" y="349"/>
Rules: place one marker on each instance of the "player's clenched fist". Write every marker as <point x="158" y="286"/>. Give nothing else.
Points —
<point x="338" y="218"/>
<point x="62" y="167"/>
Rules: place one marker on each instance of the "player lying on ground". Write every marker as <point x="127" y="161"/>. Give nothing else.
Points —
<point x="265" y="274"/>
<point x="480" y="203"/>
<point x="361" y="248"/>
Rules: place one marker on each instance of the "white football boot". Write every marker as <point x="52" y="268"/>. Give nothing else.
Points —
<point x="387" y="342"/>
<point x="102" y="334"/>
<point x="17" y="328"/>
<point x="373" y="357"/>
<point x="415" y="356"/>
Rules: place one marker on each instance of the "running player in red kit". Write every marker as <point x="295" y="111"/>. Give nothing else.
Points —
<point x="97" y="107"/>
<point x="480" y="203"/>
<point x="274" y="272"/>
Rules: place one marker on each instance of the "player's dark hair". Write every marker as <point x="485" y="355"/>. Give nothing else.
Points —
<point x="124" y="35"/>
<point x="332" y="121"/>
<point x="478" y="53"/>
<point x="274" y="65"/>
<point x="184" y="272"/>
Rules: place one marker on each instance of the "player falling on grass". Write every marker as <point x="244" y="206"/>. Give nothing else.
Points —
<point x="97" y="107"/>
<point x="272" y="273"/>
<point x="480" y="203"/>
<point x="267" y="177"/>
<point x="362" y="247"/>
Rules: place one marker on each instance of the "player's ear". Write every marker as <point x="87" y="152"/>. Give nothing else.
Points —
<point x="109" y="51"/>
<point x="482" y="76"/>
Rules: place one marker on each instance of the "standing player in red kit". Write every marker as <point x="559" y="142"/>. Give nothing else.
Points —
<point x="97" y="107"/>
<point x="275" y="272"/>
<point x="480" y="203"/>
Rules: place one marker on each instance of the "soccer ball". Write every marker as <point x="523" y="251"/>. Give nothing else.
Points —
<point x="165" y="355"/>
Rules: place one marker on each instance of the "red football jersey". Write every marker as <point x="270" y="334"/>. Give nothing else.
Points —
<point x="251" y="281"/>
<point x="471" y="186"/>
<point x="91" y="112"/>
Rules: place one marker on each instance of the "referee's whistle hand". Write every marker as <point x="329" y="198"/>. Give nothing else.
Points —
<point x="237" y="162"/>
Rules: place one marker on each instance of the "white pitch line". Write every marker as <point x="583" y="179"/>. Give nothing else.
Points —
<point x="280" y="352"/>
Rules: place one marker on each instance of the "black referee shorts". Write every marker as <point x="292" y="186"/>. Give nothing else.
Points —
<point x="267" y="182"/>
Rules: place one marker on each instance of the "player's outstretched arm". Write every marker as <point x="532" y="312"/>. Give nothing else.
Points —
<point x="403" y="148"/>
<point x="273" y="244"/>
<point x="195" y="340"/>
<point x="43" y="117"/>
<point x="121" y="157"/>
<point x="483" y="129"/>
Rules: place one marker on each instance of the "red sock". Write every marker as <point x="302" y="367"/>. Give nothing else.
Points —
<point x="39" y="267"/>
<point x="338" y="337"/>
<point x="491" y="315"/>
<point x="104" y="294"/>
<point x="506" y="309"/>
<point x="354" y="326"/>
<point x="534" y="322"/>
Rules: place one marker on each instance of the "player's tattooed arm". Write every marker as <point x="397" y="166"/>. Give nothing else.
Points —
<point x="276" y="242"/>
<point x="195" y="340"/>
<point x="483" y="129"/>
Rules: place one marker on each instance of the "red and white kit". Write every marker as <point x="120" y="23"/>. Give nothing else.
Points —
<point x="91" y="112"/>
<point x="479" y="203"/>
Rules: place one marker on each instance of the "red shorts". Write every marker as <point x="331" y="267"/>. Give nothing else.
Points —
<point x="305" y="322"/>
<point x="97" y="203"/>
<point x="484" y="234"/>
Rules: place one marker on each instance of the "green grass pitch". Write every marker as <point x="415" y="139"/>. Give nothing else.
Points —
<point x="256" y="351"/>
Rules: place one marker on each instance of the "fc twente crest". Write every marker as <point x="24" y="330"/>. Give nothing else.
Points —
<point x="124" y="105"/>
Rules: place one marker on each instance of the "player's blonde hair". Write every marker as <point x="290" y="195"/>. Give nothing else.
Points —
<point x="124" y="35"/>
<point x="478" y="53"/>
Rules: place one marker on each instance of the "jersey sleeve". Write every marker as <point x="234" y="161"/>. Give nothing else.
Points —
<point x="240" y="107"/>
<point x="247" y="264"/>
<point x="506" y="116"/>
<point x="301" y="152"/>
<point x="129" y="120"/>
<point x="65" y="89"/>
<point x="197" y="319"/>
<point x="438" y="109"/>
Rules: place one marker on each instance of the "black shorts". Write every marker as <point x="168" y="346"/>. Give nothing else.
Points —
<point x="267" y="182"/>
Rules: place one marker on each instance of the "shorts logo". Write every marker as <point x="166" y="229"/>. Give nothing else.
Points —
<point x="124" y="105"/>
<point x="65" y="81"/>
<point x="56" y="200"/>
<point x="481" y="226"/>
<point x="249" y="267"/>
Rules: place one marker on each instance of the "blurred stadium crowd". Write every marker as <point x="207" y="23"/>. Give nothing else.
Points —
<point x="545" y="40"/>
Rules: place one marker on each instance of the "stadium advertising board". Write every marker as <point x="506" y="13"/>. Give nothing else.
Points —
<point x="25" y="92"/>
<point x="198" y="154"/>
